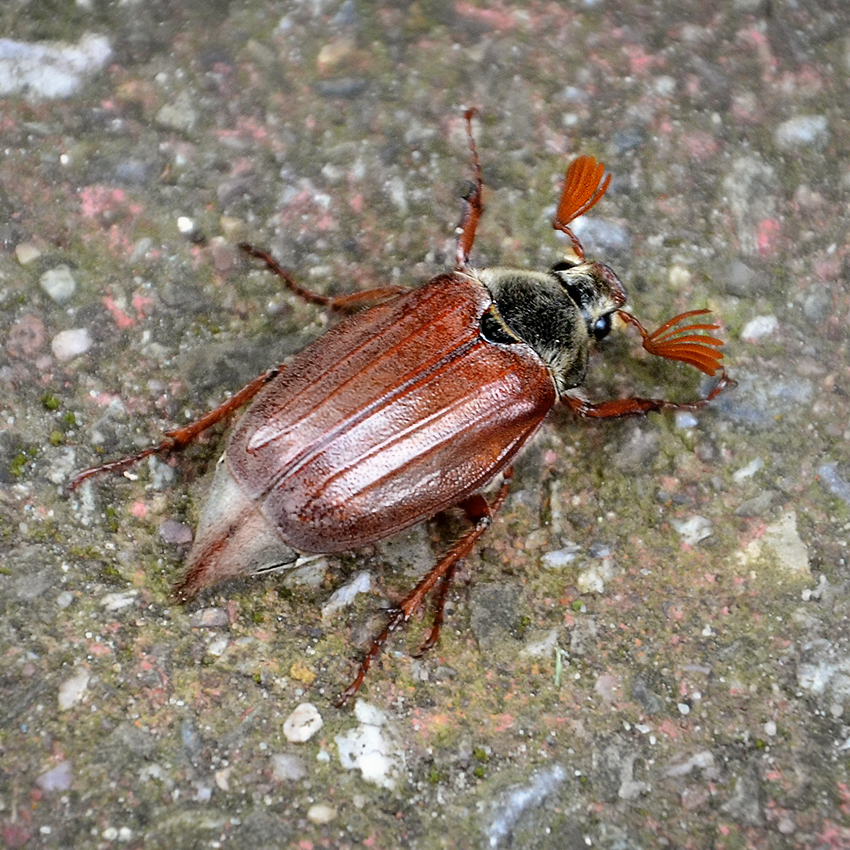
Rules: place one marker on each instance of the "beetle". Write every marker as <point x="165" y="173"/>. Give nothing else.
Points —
<point x="410" y="407"/>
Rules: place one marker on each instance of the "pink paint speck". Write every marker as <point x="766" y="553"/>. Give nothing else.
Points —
<point x="768" y="232"/>
<point x="502" y="722"/>
<point x="139" y="510"/>
<point x="701" y="146"/>
<point x="121" y="318"/>
<point x="500" y="19"/>
<point x="640" y="61"/>
<point x="142" y="304"/>
<point x="95" y="200"/>
<point x="669" y="729"/>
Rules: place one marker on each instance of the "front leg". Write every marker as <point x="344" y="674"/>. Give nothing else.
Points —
<point x="622" y="407"/>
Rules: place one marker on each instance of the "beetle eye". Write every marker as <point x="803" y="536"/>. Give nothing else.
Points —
<point x="563" y="265"/>
<point x="602" y="326"/>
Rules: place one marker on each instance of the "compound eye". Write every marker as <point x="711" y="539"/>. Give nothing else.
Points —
<point x="563" y="266"/>
<point x="602" y="327"/>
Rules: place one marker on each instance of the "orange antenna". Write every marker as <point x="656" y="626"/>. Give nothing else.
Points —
<point x="689" y="343"/>
<point x="585" y="183"/>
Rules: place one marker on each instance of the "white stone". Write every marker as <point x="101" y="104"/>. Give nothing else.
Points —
<point x="344" y="596"/>
<point x="59" y="284"/>
<point x="321" y="813"/>
<point x="803" y="131"/>
<point x="50" y="69"/>
<point x="303" y="723"/>
<point x="71" y="690"/>
<point x="693" y="529"/>
<point x="371" y="747"/>
<point x="67" y="345"/>
<point x="780" y="547"/>
<point x="759" y="327"/>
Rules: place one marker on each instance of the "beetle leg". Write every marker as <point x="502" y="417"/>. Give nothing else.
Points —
<point x="179" y="438"/>
<point x="437" y="623"/>
<point x="481" y="514"/>
<point x="618" y="408"/>
<point x="343" y="303"/>
<point x="472" y="204"/>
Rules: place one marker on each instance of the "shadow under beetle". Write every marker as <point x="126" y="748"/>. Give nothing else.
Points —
<point x="411" y="406"/>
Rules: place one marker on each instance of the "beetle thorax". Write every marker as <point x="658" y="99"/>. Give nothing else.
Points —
<point x="557" y="313"/>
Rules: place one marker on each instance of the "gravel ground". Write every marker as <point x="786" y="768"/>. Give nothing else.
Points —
<point x="651" y="647"/>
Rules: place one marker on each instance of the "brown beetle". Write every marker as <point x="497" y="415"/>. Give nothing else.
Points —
<point x="410" y="407"/>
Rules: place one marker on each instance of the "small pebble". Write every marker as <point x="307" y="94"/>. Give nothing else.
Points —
<point x="321" y="813"/>
<point x="162" y="475"/>
<point x="50" y="69"/>
<point x="818" y="304"/>
<point x="59" y="284"/>
<point x="742" y="280"/>
<point x="759" y="327"/>
<point x="59" y="464"/>
<point x="593" y="577"/>
<point x="832" y="479"/>
<point x="541" y="644"/>
<point x="785" y="826"/>
<point x="217" y="647"/>
<point x="679" y="276"/>
<point x="26" y="253"/>
<point x="699" y="761"/>
<point x="560" y="557"/>
<point x="517" y="804"/>
<point x="176" y="533"/>
<point x="303" y="723"/>
<point x="185" y="224"/>
<point x="693" y="529"/>
<point x="58" y="778"/>
<point x="344" y="596"/>
<point x="179" y="115"/>
<point x="334" y="54"/>
<point x="209" y="618"/>
<point x="748" y="471"/>
<point x="686" y="420"/>
<point x="69" y="344"/>
<point x="71" y="690"/>
<point x="371" y="748"/>
<point x="802" y="131"/>
<point x="288" y="767"/>
<point x="117" y="601"/>
<point x="26" y="337"/>
<point x="307" y="572"/>
<point x="780" y="548"/>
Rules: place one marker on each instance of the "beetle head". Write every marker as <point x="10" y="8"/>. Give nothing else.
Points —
<point x="596" y="291"/>
<point x="558" y="313"/>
